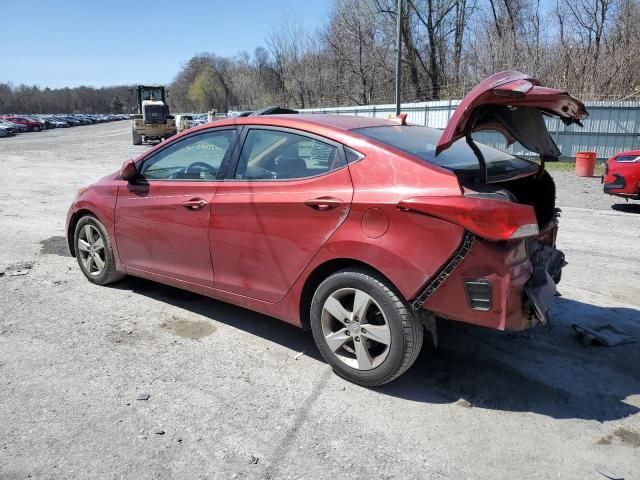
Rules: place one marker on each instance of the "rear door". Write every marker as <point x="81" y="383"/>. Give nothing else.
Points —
<point x="162" y="220"/>
<point x="286" y="195"/>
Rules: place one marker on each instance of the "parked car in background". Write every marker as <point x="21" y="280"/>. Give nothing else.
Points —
<point x="14" y="127"/>
<point x="31" y="124"/>
<point x="622" y="175"/>
<point x="42" y="121"/>
<point x="72" y="121"/>
<point x="362" y="230"/>
<point x="6" y="131"/>
<point x="184" y="121"/>
<point x="200" y="119"/>
<point x="58" y="122"/>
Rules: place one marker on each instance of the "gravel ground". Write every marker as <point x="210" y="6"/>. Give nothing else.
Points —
<point x="229" y="397"/>
<point x="583" y="192"/>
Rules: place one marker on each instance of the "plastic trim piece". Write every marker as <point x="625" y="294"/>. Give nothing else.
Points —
<point x="479" y="294"/>
<point x="432" y="285"/>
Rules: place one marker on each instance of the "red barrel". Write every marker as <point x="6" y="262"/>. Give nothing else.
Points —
<point x="585" y="164"/>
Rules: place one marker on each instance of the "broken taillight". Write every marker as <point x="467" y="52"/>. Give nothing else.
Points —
<point x="491" y="219"/>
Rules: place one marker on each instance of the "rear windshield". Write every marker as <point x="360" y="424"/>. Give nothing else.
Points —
<point x="421" y="142"/>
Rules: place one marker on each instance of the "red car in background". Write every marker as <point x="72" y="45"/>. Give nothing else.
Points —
<point x="622" y="175"/>
<point x="31" y="124"/>
<point x="362" y="230"/>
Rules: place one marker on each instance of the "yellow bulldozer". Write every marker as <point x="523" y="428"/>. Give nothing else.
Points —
<point x="152" y="121"/>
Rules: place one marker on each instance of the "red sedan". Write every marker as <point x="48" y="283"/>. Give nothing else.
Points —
<point x="360" y="229"/>
<point x="622" y="175"/>
<point x="30" y="124"/>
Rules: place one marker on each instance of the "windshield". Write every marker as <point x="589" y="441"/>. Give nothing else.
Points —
<point x="421" y="142"/>
<point x="151" y="94"/>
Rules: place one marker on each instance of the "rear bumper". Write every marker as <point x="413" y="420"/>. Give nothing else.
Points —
<point x="501" y="285"/>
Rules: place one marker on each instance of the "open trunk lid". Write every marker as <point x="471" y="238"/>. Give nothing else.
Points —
<point x="513" y="104"/>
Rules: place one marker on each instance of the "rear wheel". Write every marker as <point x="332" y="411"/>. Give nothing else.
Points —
<point x="137" y="138"/>
<point x="94" y="252"/>
<point x="36" y="128"/>
<point x="363" y="328"/>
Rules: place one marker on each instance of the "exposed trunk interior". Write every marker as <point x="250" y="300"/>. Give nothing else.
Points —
<point x="538" y="190"/>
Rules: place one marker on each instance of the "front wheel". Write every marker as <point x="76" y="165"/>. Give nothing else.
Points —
<point x="94" y="252"/>
<point x="363" y="328"/>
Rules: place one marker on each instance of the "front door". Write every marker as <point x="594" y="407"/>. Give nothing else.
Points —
<point x="162" y="219"/>
<point x="289" y="193"/>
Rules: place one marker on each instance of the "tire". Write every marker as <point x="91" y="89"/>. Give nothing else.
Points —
<point x="388" y="318"/>
<point x="36" y="129"/>
<point x="86" y="238"/>
<point x="137" y="138"/>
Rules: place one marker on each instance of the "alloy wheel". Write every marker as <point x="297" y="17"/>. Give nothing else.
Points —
<point x="91" y="250"/>
<point x="355" y="328"/>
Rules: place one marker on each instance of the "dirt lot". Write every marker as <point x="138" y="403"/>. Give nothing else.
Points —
<point x="228" y="399"/>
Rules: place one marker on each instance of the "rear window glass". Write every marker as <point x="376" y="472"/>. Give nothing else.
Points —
<point x="421" y="142"/>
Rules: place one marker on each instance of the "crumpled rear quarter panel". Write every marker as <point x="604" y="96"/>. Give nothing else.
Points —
<point x="507" y="266"/>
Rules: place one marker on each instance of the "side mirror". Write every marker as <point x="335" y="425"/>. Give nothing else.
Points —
<point x="128" y="171"/>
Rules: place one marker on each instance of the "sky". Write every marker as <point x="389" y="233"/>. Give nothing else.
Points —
<point x="58" y="43"/>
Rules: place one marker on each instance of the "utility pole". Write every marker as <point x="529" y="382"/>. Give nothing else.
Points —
<point x="398" y="55"/>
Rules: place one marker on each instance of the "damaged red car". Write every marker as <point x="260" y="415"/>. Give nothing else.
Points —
<point x="362" y="230"/>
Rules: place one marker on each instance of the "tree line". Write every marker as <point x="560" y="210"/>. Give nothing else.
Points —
<point x="32" y="99"/>
<point x="589" y="47"/>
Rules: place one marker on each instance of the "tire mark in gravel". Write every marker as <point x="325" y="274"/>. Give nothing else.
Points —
<point x="279" y="453"/>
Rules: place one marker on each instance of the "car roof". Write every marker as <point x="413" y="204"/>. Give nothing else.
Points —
<point x="335" y="122"/>
<point x="346" y="122"/>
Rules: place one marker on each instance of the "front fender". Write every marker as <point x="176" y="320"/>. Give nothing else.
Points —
<point x="98" y="200"/>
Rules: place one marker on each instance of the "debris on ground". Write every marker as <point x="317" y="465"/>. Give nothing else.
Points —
<point x="17" y="269"/>
<point x="607" y="335"/>
<point x="158" y="431"/>
<point x="464" y="403"/>
<point x="298" y="355"/>
<point x="253" y="460"/>
<point x="603" y="470"/>
<point x="143" y="396"/>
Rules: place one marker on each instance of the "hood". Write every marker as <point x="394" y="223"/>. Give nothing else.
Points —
<point x="513" y="104"/>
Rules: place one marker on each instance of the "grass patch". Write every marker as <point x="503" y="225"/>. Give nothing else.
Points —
<point x="571" y="167"/>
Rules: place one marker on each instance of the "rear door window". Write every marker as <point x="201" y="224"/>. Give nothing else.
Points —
<point x="269" y="154"/>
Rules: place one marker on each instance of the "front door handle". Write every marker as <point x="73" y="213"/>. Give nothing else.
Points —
<point x="194" y="204"/>
<point x="324" y="203"/>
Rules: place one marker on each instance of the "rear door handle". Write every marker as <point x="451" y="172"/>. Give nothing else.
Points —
<point x="194" y="204"/>
<point x="324" y="203"/>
